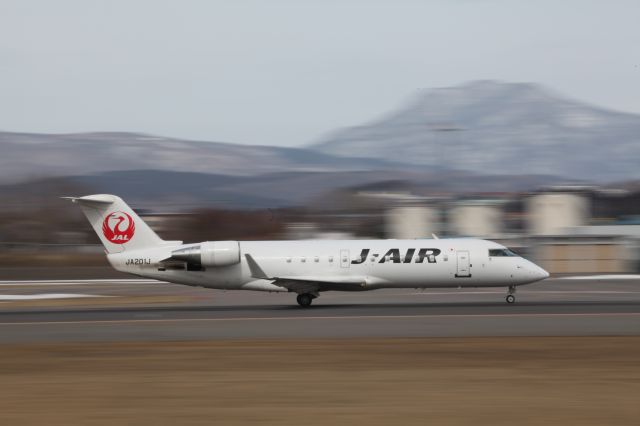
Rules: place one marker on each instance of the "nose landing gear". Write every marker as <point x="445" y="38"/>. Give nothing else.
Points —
<point x="511" y="298"/>
<point x="305" y="299"/>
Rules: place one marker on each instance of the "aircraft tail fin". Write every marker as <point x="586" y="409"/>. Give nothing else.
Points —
<point x="117" y="225"/>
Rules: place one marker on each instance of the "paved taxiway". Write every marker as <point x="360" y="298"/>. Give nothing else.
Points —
<point x="138" y="310"/>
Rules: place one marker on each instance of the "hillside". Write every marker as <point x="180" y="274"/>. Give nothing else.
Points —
<point x="28" y="155"/>
<point x="492" y="127"/>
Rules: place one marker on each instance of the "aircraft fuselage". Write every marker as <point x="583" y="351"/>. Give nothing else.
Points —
<point x="420" y="263"/>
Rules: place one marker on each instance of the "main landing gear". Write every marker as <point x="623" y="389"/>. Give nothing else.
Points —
<point x="305" y="299"/>
<point x="511" y="298"/>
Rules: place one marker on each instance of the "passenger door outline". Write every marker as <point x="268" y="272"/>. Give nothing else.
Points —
<point x="463" y="264"/>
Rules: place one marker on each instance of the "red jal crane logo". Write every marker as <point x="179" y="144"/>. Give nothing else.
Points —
<point x="118" y="227"/>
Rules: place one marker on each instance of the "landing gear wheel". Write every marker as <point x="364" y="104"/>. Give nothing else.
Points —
<point x="305" y="300"/>
<point x="510" y="298"/>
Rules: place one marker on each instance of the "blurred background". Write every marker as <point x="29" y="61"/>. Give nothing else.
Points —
<point x="513" y="121"/>
<point x="516" y="121"/>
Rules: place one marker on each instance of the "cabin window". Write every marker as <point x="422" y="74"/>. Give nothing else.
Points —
<point x="303" y="259"/>
<point x="288" y="260"/>
<point x="316" y="259"/>
<point x="502" y="253"/>
<point x="330" y="259"/>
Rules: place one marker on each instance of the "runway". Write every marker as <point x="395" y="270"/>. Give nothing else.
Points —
<point x="144" y="310"/>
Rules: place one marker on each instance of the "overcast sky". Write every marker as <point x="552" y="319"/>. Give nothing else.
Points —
<point x="287" y="72"/>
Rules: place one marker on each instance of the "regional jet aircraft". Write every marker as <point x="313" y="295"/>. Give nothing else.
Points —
<point x="303" y="267"/>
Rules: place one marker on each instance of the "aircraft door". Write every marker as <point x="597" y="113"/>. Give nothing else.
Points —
<point x="463" y="268"/>
<point x="345" y="260"/>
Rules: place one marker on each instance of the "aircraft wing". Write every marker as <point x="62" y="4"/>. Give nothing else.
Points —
<point x="313" y="284"/>
<point x="307" y="283"/>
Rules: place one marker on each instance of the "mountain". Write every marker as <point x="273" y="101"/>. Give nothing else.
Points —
<point x="29" y="156"/>
<point x="479" y="137"/>
<point x="482" y="127"/>
<point x="168" y="191"/>
<point x="506" y="128"/>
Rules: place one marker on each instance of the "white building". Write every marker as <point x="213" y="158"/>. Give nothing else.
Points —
<point x="553" y="213"/>
<point x="476" y="218"/>
<point x="409" y="222"/>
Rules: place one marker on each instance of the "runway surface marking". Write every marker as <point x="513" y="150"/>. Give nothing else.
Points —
<point x="601" y="277"/>
<point x="78" y="282"/>
<point x="46" y="296"/>
<point x="357" y="317"/>
<point x="429" y="293"/>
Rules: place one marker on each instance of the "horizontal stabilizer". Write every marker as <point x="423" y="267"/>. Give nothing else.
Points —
<point x="104" y="199"/>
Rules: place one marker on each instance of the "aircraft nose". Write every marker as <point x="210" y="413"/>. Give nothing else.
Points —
<point x="540" y="273"/>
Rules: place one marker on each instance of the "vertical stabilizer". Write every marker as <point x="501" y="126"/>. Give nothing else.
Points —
<point x="117" y="225"/>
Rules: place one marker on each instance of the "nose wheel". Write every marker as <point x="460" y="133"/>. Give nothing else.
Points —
<point x="305" y="299"/>
<point x="511" y="298"/>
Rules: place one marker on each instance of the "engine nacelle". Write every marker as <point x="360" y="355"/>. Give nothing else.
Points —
<point x="210" y="253"/>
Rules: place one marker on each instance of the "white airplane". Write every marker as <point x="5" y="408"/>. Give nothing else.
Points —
<point x="303" y="267"/>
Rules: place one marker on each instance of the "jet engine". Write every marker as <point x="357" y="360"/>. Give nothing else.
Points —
<point x="209" y="253"/>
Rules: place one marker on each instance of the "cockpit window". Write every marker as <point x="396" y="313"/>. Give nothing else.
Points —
<point x="502" y="253"/>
